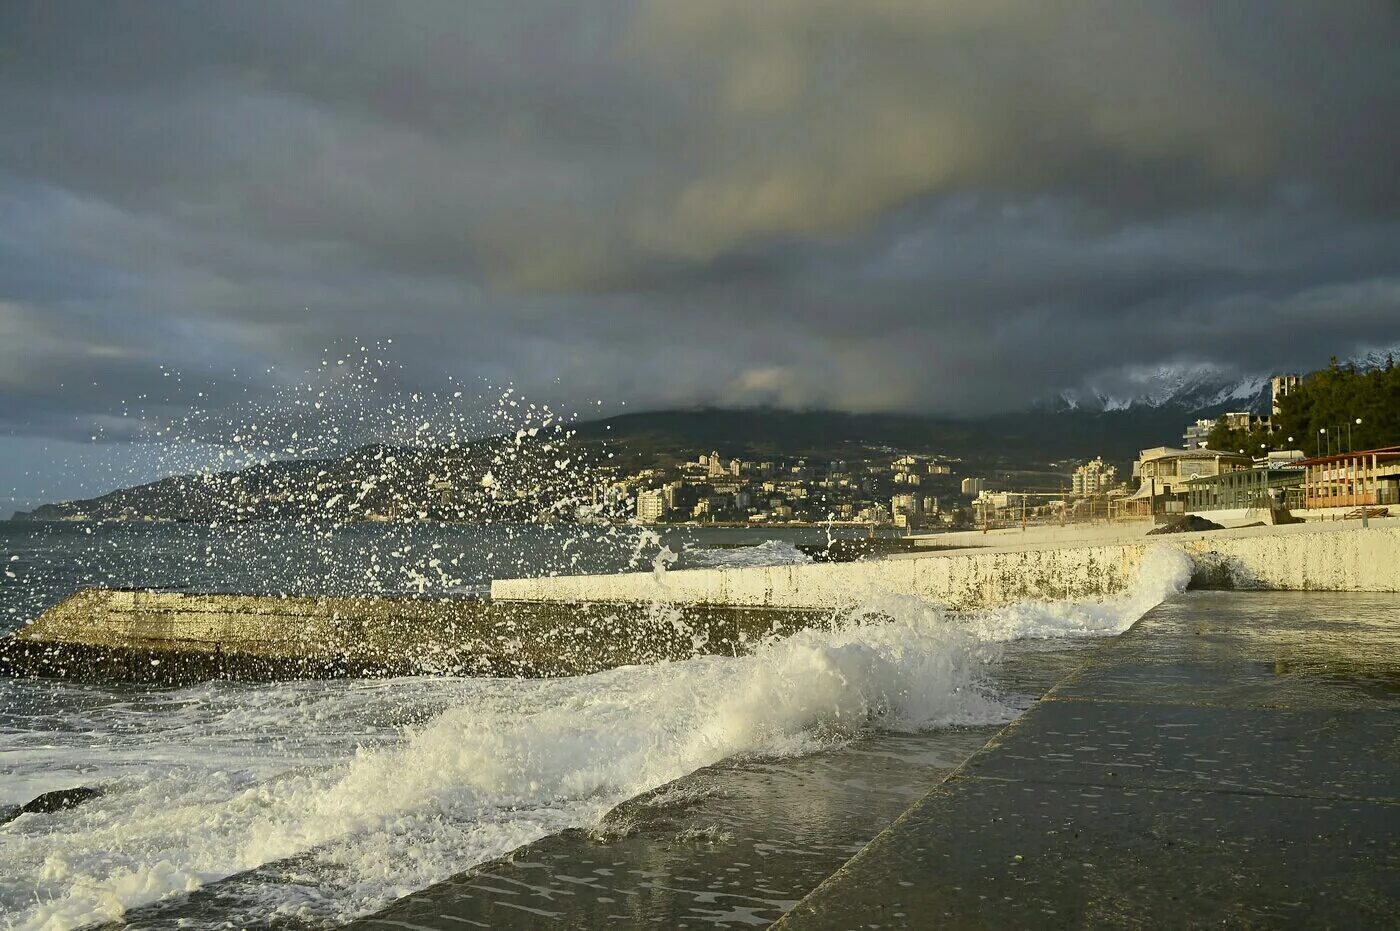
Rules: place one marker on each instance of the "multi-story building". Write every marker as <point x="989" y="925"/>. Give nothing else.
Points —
<point x="1280" y="386"/>
<point x="651" y="504"/>
<point x="1169" y="466"/>
<point x="1161" y="474"/>
<point x="973" y="486"/>
<point x="1197" y="433"/>
<point x="1093" y="478"/>
<point x="873" y="514"/>
<point x="909" y="503"/>
<point x="1242" y="420"/>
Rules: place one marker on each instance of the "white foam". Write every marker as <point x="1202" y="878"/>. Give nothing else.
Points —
<point x="767" y="553"/>
<point x="1164" y="571"/>
<point x="496" y="763"/>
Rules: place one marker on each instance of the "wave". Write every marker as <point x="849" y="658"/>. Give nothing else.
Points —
<point x="455" y="772"/>
<point x="767" y="553"/>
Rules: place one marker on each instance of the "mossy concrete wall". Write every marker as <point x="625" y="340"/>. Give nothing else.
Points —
<point x="1336" y="557"/>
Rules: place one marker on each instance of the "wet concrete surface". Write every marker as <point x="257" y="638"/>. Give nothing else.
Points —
<point x="734" y="845"/>
<point x="1233" y="760"/>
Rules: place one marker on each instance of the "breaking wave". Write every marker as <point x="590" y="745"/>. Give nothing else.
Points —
<point x="376" y="789"/>
<point x="768" y="553"/>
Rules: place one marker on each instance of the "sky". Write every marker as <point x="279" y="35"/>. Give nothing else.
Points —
<point x="942" y="206"/>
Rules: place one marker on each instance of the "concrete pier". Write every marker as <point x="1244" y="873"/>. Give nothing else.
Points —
<point x="1232" y="760"/>
<point x="1339" y="556"/>
<point x="178" y="637"/>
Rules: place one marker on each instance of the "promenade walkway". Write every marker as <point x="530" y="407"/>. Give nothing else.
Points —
<point x="1233" y="760"/>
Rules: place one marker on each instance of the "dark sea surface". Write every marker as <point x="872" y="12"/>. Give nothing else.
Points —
<point x="43" y="562"/>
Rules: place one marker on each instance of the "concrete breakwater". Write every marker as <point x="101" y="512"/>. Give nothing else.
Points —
<point x="1308" y="557"/>
<point x="173" y="636"/>
<point x="578" y="624"/>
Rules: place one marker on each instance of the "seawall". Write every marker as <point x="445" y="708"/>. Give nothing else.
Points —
<point x="1300" y="557"/>
<point x="175" y="637"/>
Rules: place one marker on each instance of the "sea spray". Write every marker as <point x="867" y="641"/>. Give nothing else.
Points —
<point x="1164" y="570"/>
<point x="499" y="763"/>
<point x="767" y="553"/>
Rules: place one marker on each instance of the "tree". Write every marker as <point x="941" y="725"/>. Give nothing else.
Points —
<point x="1358" y="409"/>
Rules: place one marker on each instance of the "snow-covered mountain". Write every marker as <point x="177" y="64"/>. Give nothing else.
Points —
<point x="1203" y="388"/>
<point x="1188" y="388"/>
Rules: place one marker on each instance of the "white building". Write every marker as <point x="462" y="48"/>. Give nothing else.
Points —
<point x="1094" y="477"/>
<point x="651" y="504"/>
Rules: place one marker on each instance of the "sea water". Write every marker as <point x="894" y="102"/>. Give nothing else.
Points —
<point x="358" y="793"/>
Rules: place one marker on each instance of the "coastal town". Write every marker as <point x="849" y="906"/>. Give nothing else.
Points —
<point x="1281" y="473"/>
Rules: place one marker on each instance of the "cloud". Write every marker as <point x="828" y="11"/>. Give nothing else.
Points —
<point x="955" y="206"/>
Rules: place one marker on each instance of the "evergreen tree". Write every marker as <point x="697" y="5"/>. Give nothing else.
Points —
<point x="1357" y="409"/>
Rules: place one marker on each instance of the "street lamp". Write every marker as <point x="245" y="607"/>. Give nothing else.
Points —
<point x="1322" y="432"/>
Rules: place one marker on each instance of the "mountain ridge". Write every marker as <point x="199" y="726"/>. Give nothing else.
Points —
<point x="1200" y="388"/>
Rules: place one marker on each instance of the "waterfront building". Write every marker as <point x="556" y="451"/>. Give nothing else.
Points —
<point x="1161" y="474"/>
<point x="873" y="514"/>
<point x="1282" y="458"/>
<point x="1246" y="489"/>
<point x="908" y="503"/>
<point x="1347" y="480"/>
<point x="651" y="504"/>
<point x="1170" y="466"/>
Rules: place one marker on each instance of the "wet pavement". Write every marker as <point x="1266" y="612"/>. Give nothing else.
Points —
<point x="733" y="845"/>
<point x="1233" y="760"/>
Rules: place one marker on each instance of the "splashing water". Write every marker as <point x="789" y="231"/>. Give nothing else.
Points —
<point x="485" y="765"/>
<point x="343" y="445"/>
<point x="348" y="795"/>
<point x="767" y="553"/>
<point x="1164" y="571"/>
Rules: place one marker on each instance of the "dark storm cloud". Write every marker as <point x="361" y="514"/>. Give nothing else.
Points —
<point x="950" y="206"/>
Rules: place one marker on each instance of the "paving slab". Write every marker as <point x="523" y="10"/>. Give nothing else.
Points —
<point x="1233" y="760"/>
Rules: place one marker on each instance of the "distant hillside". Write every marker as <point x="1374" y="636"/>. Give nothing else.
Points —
<point x="1023" y="440"/>
<point x="451" y="483"/>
